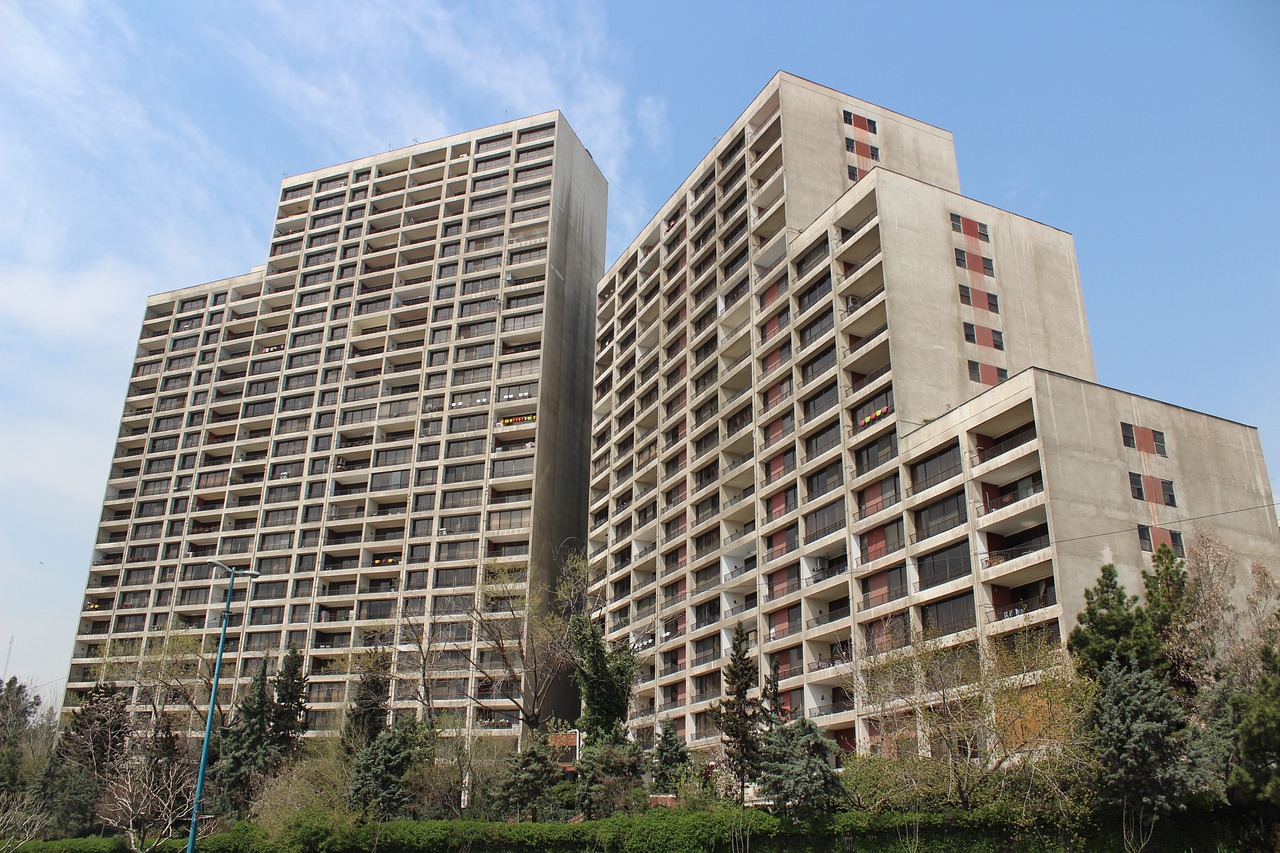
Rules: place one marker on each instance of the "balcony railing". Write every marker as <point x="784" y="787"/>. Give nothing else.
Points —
<point x="1028" y="605"/>
<point x="992" y="504"/>
<point x="1021" y="438"/>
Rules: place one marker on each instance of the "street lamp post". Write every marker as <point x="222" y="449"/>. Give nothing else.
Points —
<point x="213" y="694"/>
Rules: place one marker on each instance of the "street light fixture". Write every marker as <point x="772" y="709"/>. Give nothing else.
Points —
<point x="213" y="694"/>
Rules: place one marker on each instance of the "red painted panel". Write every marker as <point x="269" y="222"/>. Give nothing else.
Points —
<point x="860" y="123"/>
<point x="1160" y="536"/>
<point x="1152" y="489"/>
<point x="862" y="149"/>
<point x="990" y="493"/>
<point x="1145" y="439"/>
<point x="973" y="261"/>
<point x="984" y="336"/>
<point x="1000" y="596"/>
<point x="968" y="227"/>
<point x="874" y="540"/>
<point x="877" y="584"/>
<point x="846" y="739"/>
<point x="987" y="373"/>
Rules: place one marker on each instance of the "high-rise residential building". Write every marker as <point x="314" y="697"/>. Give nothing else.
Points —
<point x="841" y="403"/>
<point x="386" y="420"/>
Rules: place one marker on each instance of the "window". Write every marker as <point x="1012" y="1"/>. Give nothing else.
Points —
<point x="1126" y="434"/>
<point x="1166" y="492"/>
<point x="853" y="173"/>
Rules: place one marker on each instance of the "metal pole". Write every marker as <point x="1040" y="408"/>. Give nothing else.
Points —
<point x="208" y="722"/>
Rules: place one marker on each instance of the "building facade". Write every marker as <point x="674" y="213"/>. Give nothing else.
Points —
<point x="384" y="420"/>
<point x="804" y="370"/>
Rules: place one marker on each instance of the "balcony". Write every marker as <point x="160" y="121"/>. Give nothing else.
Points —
<point x="1013" y="441"/>
<point x="1028" y="605"/>
<point x="991" y="505"/>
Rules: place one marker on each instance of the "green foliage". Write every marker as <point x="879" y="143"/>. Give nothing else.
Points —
<point x="608" y="778"/>
<point x="18" y="708"/>
<point x="605" y="673"/>
<point x="289" y="706"/>
<point x="367" y="715"/>
<point x="84" y="758"/>
<point x="796" y="773"/>
<point x="528" y="785"/>
<point x="248" y="752"/>
<point x="1139" y="735"/>
<point x="670" y="760"/>
<point x="1113" y="627"/>
<point x="1256" y="780"/>
<point x="381" y="769"/>
<point x="737" y="716"/>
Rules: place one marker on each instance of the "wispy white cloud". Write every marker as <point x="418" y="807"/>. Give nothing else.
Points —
<point x="122" y="184"/>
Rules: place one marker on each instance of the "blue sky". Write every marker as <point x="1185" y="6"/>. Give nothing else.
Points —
<point x="142" y="145"/>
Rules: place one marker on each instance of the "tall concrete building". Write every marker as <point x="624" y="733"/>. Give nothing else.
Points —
<point x="841" y="403"/>
<point x="377" y="420"/>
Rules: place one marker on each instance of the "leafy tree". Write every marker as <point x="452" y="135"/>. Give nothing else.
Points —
<point x="608" y="777"/>
<point x="289" y="706"/>
<point x="605" y="673"/>
<point x="796" y="771"/>
<point x="382" y="768"/>
<point x="248" y="753"/>
<point x="739" y="717"/>
<point x="1145" y="769"/>
<point x="529" y="780"/>
<point x="367" y="714"/>
<point x="1255" y="782"/>
<point x="670" y="760"/>
<point x="1113" y="626"/>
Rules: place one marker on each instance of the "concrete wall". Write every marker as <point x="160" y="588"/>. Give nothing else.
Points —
<point x="575" y="263"/>
<point x="1216" y="467"/>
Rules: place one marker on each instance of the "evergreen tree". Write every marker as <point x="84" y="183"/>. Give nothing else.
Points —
<point x="1112" y="626"/>
<point x="796" y="771"/>
<point x="1139" y="734"/>
<point x="378" y="778"/>
<point x="289" y="708"/>
<point x="1255" y="782"/>
<point x="18" y="707"/>
<point x="85" y="757"/>
<point x="608" y="777"/>
<point x="670" y="760"/>
<point x="367" y="714"/>
<point x="772" y="714"/>
<point x="248" y="752"/>
<point x="605" y="674"/>
<point x="737" y="716"/>
<point x="529" y="780"/>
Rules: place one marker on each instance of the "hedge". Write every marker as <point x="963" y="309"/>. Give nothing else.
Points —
<point x="678" y="831"/>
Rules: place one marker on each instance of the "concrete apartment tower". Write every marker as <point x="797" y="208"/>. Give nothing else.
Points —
<point x="841" y="403"/>
<point x="388" y="411"/>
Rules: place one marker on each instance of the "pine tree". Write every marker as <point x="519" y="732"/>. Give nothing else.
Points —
<point x="1255" y="782"/>
<point x="796" y="771"/>
<point x="18" y="707"/>
<point x="605" y="674"/>
<point x="378" y="777"/>
<point x="608" y="777"/>
<point x="248" y="753"/>
<point x="1140" y="737"/>
<point x="289" y="707"/>
<point x="86" y="756"/>
<point x="529" y="780"/>
<point x="367" y="715"/>
<point x="1113" y="627"/>
<point x="737" y="716"/>
<point x="670" y="759"/>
